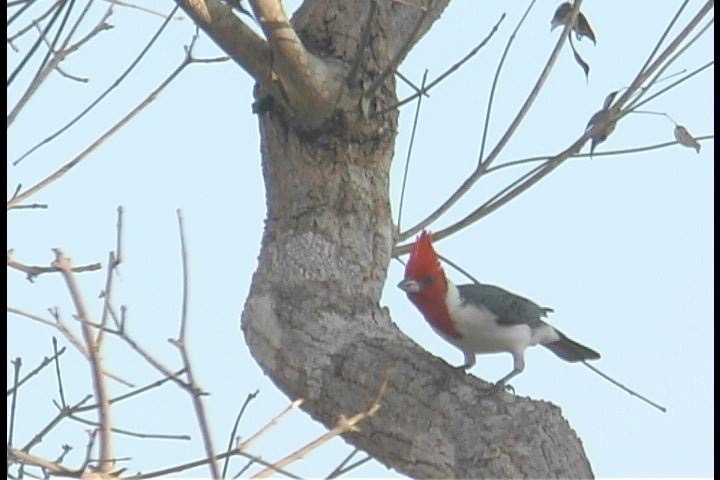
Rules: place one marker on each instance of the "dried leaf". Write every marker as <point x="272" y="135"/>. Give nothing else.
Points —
<point x="600" y="126"/>
<point x="582" y="28"/>
<point x="685" y="139"/>
<point x="609" y="99"/>
<point x="562" y="15"/>
<point x="583" y="64"/>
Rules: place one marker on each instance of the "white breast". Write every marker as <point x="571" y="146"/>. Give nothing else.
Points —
<point x="480" y="331"/>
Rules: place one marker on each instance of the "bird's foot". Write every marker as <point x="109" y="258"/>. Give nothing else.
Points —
<point x="499" y="387"/>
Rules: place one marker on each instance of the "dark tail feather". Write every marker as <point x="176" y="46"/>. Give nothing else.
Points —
<point x="570" y="350"/>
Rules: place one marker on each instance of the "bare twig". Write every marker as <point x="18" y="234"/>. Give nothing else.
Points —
<point x="351" y="467"/>
<point x="609" y="153"/>
<point x="92" y="436"/>
<point x="32" y="271"/>
<point x="114" y="85"/>
<point x="409" y="152"/>
<point x="153" y="436"/>
<point x="276" y="420"/>
<point x="61" y="390"/>
<point x="170" y="16"/>
<point x="645" y="74"/>
<point x="336" y="470"/>
<point x="115" y="258"/>
<point x="181" y="343"/>
<point x="134" y="393"/>
<point x="98" y="380"/>
<point x="57" y="7"/>
<point x="57" y="57"/>
<point x="30" y="206"/>
<point x="664" y="35"/>
<point x="63" y="413"/>
<point x="65" y="450"/>
<point x="109" y="133"/>
<point x="17" y="363"/>
<point x="248" y="399"/>
<point x="344" y="425"/>
<point x="26" y="458"/>
<point x="659" y="74"/>
<point x="60" y="326"/>
<point x="44" y="363"/>
<point x="623" y="387"/>
<point x="660" y="92"/>
<point x="485" y="163"/>
<point x="449" y="71"/>
<point x="493" y="88"/>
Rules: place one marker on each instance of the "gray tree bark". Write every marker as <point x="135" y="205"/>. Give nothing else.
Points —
<point x="312" y="318"/>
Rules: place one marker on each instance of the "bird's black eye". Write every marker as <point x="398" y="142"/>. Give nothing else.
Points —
<point x="427" y="281"/>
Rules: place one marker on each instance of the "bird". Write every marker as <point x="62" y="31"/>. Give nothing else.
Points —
<point x="479" y="318"/>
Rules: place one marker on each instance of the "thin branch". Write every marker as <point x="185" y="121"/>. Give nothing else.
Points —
<point x="100" y="140"/>
<point x="47" y="67"/>
<point x="480" y="170"/>
<point x="26" y="458"/>
<point x="659" y="74"/>
<point x="623" y="387"/>
<point x="493" y="87"/>
<point x="352" y="466"/>
<point x="275" y="421"/>
<point x="17" y="363"/>
<point x="198" y="463"/>
<point x="98" y="379"/>
<point x="153" y="436"/>
<point x="664" y="35"/>
<point x="447" y="72"/>
<point x="131" y="394"/>
<point x="181" y="343"/>
<point x="92" y="435"/>
<point x="334" y="473"/>
<point x="44" y="363"/>
<point x="63" y="413"/>
<point x="170" y="16"/>
<point x="32" y="271"/>
<point x="30" y="206"/>
<point x="58" y="8"/>
<point x="231" y="34"/>
<point x="609" y="153"/>
<point x="60" y="326"/>
<point x="660" y="92"/>
<point x="409" y="152"/>
<point x="61" y="390"/>
<point x="248" y="399"/>
<point x="644" y="75"/>
<point x="344" y="425"/>
<point x="114" y="85"/>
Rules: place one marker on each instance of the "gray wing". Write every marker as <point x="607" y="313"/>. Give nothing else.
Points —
<point x="510" y="309"/>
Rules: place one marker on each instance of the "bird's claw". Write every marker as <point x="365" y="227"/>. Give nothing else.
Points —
<point x="499" y="387"/>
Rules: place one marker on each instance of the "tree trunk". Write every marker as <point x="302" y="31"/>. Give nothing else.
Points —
<point x="312" y="319"/>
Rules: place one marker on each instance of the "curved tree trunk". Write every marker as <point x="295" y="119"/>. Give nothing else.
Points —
<point x="312" y="319"/>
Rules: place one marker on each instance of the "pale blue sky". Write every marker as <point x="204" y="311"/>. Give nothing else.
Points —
<point x="621" y="247"/>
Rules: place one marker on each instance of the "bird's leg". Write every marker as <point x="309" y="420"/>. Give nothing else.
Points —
<point x="518" y="366"/>
<point x="469" y="360"/>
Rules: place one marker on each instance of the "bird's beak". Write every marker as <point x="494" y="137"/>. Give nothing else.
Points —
<point x="409" y="286"/>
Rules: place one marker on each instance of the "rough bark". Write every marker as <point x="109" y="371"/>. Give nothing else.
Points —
<point x="312" y="318"/>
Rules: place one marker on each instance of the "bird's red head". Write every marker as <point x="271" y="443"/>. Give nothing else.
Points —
<point x="425" y="283"/>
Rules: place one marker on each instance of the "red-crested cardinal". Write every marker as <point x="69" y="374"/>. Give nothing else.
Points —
<point x="480" y="318"/>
